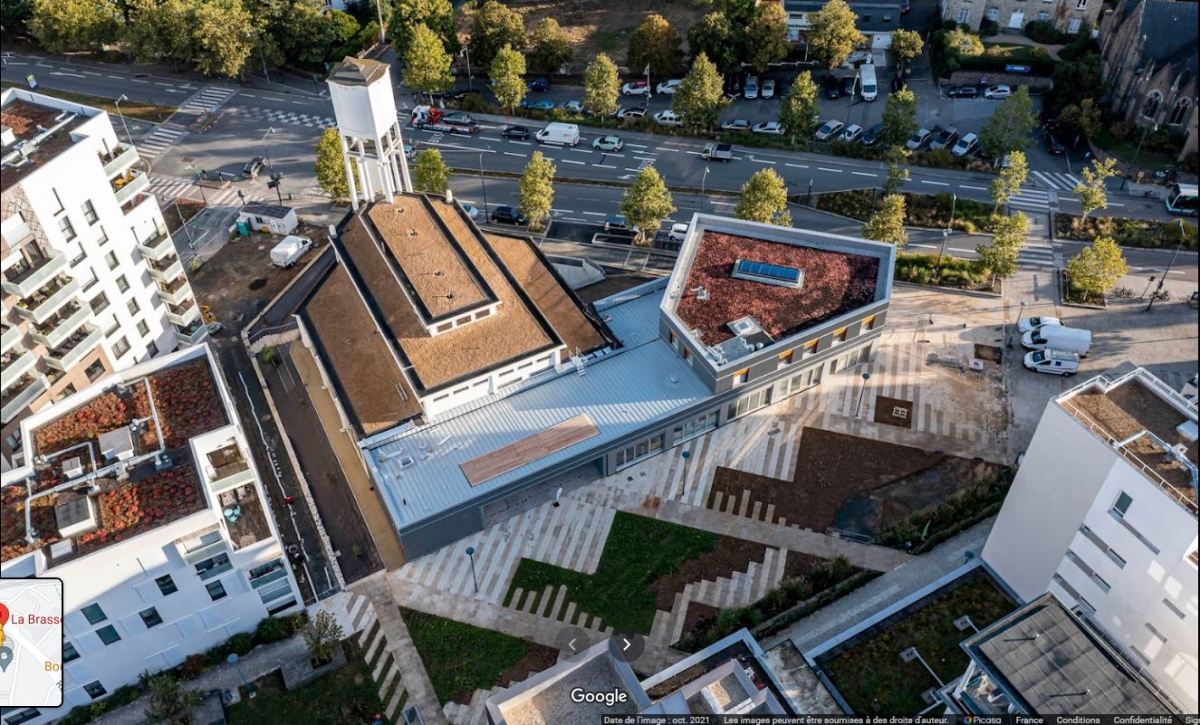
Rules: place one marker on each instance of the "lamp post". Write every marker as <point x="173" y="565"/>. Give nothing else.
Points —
<point x="862" y="394"/>
<point x="1145" y="130"/>
<point x="946" y="235"/>
<point x="117" y="103"/>
<point x="466" y="51"/>
<point x="703" y="184"/>
<point x="203" y="198"/>
<point x="233" y="660"/>
<point x="471" y="556"/>
<point x="266" y="151"/>
<point x="1170" y="263"/>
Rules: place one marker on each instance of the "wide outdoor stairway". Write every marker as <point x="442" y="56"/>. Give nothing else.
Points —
<point x="553" y="604"/>
<point x="474" y="713"/>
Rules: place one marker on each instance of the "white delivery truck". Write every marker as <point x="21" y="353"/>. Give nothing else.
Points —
<point x="1055" y="362"/>
<point x="290" y="250"/>
<point x="559" y="134"/>
<point x="869" y="88"/>
<point x="1058" y="337"/>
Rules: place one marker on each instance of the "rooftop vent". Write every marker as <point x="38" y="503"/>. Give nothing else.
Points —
<point x="774" y="274"/>
<point x="72" y="468"/>
<point x="1187" y="430"/>
<point x="75" y="515"/>
<point x="7" y="137"/>
<point x="745" y="326"/>
<point x="117" y="445"/>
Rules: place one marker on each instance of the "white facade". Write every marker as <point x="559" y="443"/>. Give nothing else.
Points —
<point x="170" y="591"/>
<point x="372" y="146"/>
<point x="1085" y="523"/>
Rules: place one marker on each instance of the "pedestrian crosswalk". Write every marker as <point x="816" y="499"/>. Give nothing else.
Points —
<point x="1056" y="180"/>
<point x="208" y="99"/>
<point x="1031" y="200"/>
<point x="168" y="134"/>
<point x="169" y="188"/>
<point x="1037" y="253"/>
<point x="288" y="118"/>
<point x="162" y="137"/>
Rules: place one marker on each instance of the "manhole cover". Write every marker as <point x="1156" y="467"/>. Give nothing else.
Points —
<point x="258" y="283"/>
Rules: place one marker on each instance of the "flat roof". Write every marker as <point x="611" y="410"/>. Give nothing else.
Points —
<point x="262" y="209"/>
<point x="1053" y="662"/>
<point x="30" y="119"/>
<point x="545" y="698"/>
<point x="357" y="71"/>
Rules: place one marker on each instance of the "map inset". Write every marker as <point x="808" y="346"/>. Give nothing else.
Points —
<point x="31" y="642"/>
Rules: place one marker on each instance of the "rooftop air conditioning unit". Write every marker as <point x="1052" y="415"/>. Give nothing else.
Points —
<point x="1187" y="429"/>
<point x="72" y="468"/>
<point x="75" y="515"/>
<point x="7" y="137"/>
<point x="117" y="445"/>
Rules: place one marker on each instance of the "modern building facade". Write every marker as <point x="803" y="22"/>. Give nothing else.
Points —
<point x="877" y="19"/>
<point x="1102" y="514"/>
<point x="141" y="494"/>
<point x="91" y="279"/>
<point x="1069" y="16"/>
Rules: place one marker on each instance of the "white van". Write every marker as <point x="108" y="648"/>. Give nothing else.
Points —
<point x="290" y="250"/>
<point x="870" y="89"/>
<point x="1058" y="337"/>
<point x="559" y="134"/>
<point x="1055" y="362"/>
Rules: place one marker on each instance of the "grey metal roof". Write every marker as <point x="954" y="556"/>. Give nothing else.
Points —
<point x="870" y="14"/>
<point x="272" y="210"/>
<point x="1052" y="662"/>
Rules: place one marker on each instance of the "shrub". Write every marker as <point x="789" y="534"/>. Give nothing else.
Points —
<point x="293" y="623"/>
<point x="474" y="103"/>
<point x="941" y="159"/>
<point x="988" y="28"/>
<point x="1043" y="31"/>
<point x="270" y="629"/>
<point x="242" y="643"/>
<point x="268" y="355"/>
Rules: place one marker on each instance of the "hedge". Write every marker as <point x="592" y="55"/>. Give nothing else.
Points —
<point x="1146" y="233"/>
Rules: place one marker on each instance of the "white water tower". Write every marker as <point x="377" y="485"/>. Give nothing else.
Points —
<point x="365" y="108"/>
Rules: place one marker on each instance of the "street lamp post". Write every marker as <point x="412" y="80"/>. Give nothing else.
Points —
<point x="471" y="556"/>
<point x="117" y="103"/>
<point x="703" y="184"/>
<point x="233" y="660"/>
<point x="1170" y="263"/>
<point x="184" y="224"/>
<point x="1145" y="130"/>
<point x="862" y="394"/>
<point x="470" y="78"/>
<point x="946" y="235"/>
<point x="198" y="184"/>
<point x="267" y="151"/>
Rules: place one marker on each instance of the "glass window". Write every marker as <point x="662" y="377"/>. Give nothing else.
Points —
<point x="741" y="377"/>
<point x="142" y="328"/>
<point x="1121" y="507"/>
<point x="108" y="634"/>
<point x="120" y="347"/>
<point x="785" y="358"/>
<point x="150" y="617"/>
<point x="868" y="323"/>
<point x="95" y="689"/>
<point x="89" y="212"/>
<point x="94" y="614"/>
<point x="216" y="590"/>
<point x="122" y="283"/>
<point x="839" y="335"/>
<point x="213" y="566"/>
<point x="151" y="349"/>
<point x="1073" y="26"/>
<point x="66" y="227"/>
<point x="70" y="654"/>
<point x="92" y="372"/>
<point x="166" y="585"/>
<point x="133" y="308"/>
<point x="99" y="303"/>
<point x="23" y="716"/>
<point x="111" y="260"/>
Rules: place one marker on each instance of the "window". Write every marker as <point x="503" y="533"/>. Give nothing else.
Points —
<point x="741" y="377"/>
<point x="133" y="308"/>
<point x="785" y="358"/>
<point x="964" y="14"/>
<point x="108" y="634"/>
<point x="639" y="450"/>
<point x="1151" y="104"/>
<point x="93" y="613"/>
<point x="1079" y="5"/>
<point x="92" y="372"/>
<point x="150" y="617"/>
<point x="213" y="566"/>
<point x="120" y="347"/>
<point x="1116" y="558"/>
<point x="694" y="427"/>
<point x="122" y="283"/>
<point x="1180" y="112"/>
<point x="111" y="260"/>
<point x="671" y="336"/>
<point x="166" y="585"/>
<point x="1043" y="16"/>
<point x="70" y="654"/>
<point x="993" y="14"/>
<point x="66" y="227"/>
<point x="91" y="282"/>
<point x="103" y="238"/>
<point x="810" y="347"/>
<point x="89" y="212"/>
<point x="1073" y="26"/>
<point x="216" y="590"/>
<point x="95" y="689"/>
<point x="868" y="323"/>
<point x="24" y="716"/>
<point x="1174" y="609"/>
<point x="114" y="328"/>
<point x="840" y="334"/>
<point x="142" y="328"/>
<point x="1121" y="507"/>
<point x="58" y="199"/>
<point x="1104" y="586"/>
<point x="99" y="303"/>
<point x="152" y="350"/>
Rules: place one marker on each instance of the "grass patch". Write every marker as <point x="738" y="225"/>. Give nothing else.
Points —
<point x="1127" y="232"/>
<point x="1124" y="145"/>
<point x="868" y="671"/>
<point x="638" y="551"/>
<point x="461" y="658"/>
<point x="1015" y="53"/>
<point x="341" y="696"/>
<point x="131" y="109"/>
<point x="932" y="211"/>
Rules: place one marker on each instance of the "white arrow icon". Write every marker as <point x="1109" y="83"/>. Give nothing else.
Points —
<point x="627" y="644"/>
<point x="571" y="644"/>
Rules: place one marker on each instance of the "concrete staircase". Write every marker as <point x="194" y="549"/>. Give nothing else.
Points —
<point x="553" y="604"/>
<point x="473" y="713"/>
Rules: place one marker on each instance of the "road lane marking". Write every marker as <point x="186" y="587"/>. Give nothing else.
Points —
<point x="604" y="166"/>
<point x="923" y="246"/>
<point x="573" y="161"/>
<point x="634" y="170"/>
<point x="934" y="183"/>
<point x="581" y="151"/>
<point x="862" y="173"/>
<point x="594" y="213"/>
<point x="796" y="166"/>
<point x="573" y="219"/>
<point x="134" y="80"/>
<point x="563" y="211"/>
<point x="120" y="78"/>
<point x="822" y="168"/>
<point x="636" y="145"/>
<point x="248" y="95"/>
<point x="512" y="153"/>
<point x="973" y="188"/>
<point x="645" y="158"/>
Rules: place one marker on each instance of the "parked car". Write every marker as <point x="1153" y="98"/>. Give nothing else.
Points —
<point x="858" y="58"/>
<point x="409" y="151"/>
<point x="517" y="132"/>
<point x="631" y="112"/>
<point x="541" y="104"/>
<point x="668" y="118"/>
<point x="717" y="152"/>
<point x="829" y="130"/>
<point x="868" y="87"/>
<point x="751" y="89"/>
<point x="918" y="140"/>
<point x="608" y="143"/>
<point x="997" y="92"/>
<point x="678" y="232"/>
<point x="573" y="107"/>
<point x="1025" y="324"/>
<point x="290" y="250"/>
<point x="1058" y="337"/>
<point x="735" y="124"/>
<point x="871" y="135"/>
<point x="770" y="128"/>
<point x="472" y="211"/>
<point x="831" y="87"/>
<point x="538" y="85"/>
<point x="251" y="168"/>
<point x="1055" y="362"/>
<point x="962" y="92"/>
<point x="945" y="139"/>
<point x="852" y="133"/>
<point x="635" y="88"/>
<point x="668" y="88"/>
<point x="768" y="88"/>
<point x="1053" y="145"/>
<point x="616" y="223"/>
<point x="507" y="215"/>
<point x="965" y="146"/>
<point x="559" y="134"/>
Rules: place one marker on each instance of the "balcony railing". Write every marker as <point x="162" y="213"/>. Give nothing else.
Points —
<point x="165" y="269"/>
<point x="121" y="159"/>
<point x="57" y="329"/>
<point x="157" y="246"/>
<point x="14" y="365"/>
<point x="11" y="336"/>
<point x="183" y="314"/>
<point x="24" y="279"/>
<point x="193" y="334"/>
<point x="176" y="291"/>
<point x="22" y="394"/>
<point x="43" y="304"/>
<point x="76" y="346"/>
<point x="130" y="183"/>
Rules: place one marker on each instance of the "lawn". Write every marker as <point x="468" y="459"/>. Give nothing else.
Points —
<point x="348" y="695"/>
<point x="131" y="109"/>
<point x="868" y="671"/>
<point x="460" y="658"/>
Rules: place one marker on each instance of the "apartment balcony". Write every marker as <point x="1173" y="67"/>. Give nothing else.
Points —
<point x="165" y="269"/>
<point x="184" y="314"/>
<point x="175" y="292"/>
<point x="119" y="160"/>
<point x="10" y="257"/>
<point x="193" y="334"/>
<point x="67" y="355"/>
<point x="157" y="246"/>
<point x="136" y="203"/>
<point x="24" y="279"/>
<point x="57" y="329"/>
<point x="42" y="305"/>
<point x="21" y="395"/>
<point x="12" y="335"/>
<point x="129" y="184"/>
<point x="14" y="366"/>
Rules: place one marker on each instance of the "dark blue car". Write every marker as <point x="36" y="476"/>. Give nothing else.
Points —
<point x="539" y="85"/>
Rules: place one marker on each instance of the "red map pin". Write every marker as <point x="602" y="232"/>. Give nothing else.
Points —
<point x="3" y="616"/>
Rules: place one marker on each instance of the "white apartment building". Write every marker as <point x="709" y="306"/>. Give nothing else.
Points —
<point x="141" y="494"/>
<point x="91" y="279"/>
<point x="1102" y="514"/>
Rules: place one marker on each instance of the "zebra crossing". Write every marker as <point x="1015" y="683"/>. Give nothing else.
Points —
<point x="1031" y="200"/>
<point x="1057" y="180"/>
<point x="208" y="99"/>
<point x="288" y="118"/>
<point x="169" y="188"/>
<point x="168" y="134"/>
<point x="1037" y="253"/>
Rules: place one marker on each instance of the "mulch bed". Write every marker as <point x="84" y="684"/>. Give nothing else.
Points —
<point x="885" y="411"/>
<point x="728" y="555"/>
<point x="540" y="657"/>
<point x="697" y="612"/>
<point x="990" y="353"/>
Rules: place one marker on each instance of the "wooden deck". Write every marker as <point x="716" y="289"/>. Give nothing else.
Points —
<point x="528" y="449"/>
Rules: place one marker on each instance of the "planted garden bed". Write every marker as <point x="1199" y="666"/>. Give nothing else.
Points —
<point x="1146" y="233"/>
<point x="968" y="274"/>
<point x="931" y="211"/>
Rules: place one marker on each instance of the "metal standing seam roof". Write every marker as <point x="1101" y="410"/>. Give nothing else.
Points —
<point x="622" y="392"/>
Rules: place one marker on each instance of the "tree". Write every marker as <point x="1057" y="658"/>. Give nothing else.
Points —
<point x="427" y="65"/>
<point x="767" y="37"/>
<point x="1007" y="183"/>
<point x="833" y="34"/>
<point x="1008" y="236"/>
<point x="61" y="25"/>
<point x="907" y="45"/>
<point x="961" y="42"/>
<point x="887" y="223"/>
<point x="168" y="702"/>
<point x="657" y="45"/>
<point x="159" y="31"/>
<point x="222" y="45"/>
<point x="331" y="167"/>
<point x="14" y="16"/>
<point x="508" y="77"/>
<point x="1097" y="268"/>
<point x="647" y="202"/>
<point x="549" y="47"/>
<point x="437" y="15"/>
<point x="800" y="109"/>
<point x="701" y="96"/>
<point x="739" y="12"/>
<point x="764" y="199"/>
<point x="897" y="173"/>
<point x="712" y="35"/>
<point x="1085" y="117"/>
<point x="1011" y="125"/>
<point x="899" y="117"/>
<point x="494" y="27"/>
<point x="430" y="174"/>
<point x="601" y="86"/>
<point x="1090" y="190"/>
<point x="322" y="635"/>
<point x="537" y="190"/>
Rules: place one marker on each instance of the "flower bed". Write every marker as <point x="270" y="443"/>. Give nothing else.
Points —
<point x="187" y="401"/>
<point x="921" y="210"/>
<point x="137" y="507"/>
<point x="12" y="522"/>
<point x="105" y="413"/>
<point x="1126" y="232"/>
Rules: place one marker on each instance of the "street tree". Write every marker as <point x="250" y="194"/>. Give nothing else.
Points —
<point x="537" y="190"/>
<point x="167" y="702"/>
<point x="767" y="37"/>
<point x="61" y="25"/>
<point x="1097" y="268"/>
<point x="764" y="199"/>
<point x="646" y="203"/>
<point x="601" y="86"/>
<point x="887" y="223"/>
<point x="437" y="15"/>
<point x="800" y="109"/>
<point x="1008" y="236"/>
<point x="962" y="42"/>
<point x="833" y="33"/>
<point x="655" y="45"/>
<point x="899" y="117"/>
<point x="897" y="173"/>
<point x="549" y="46"/>
<point x="427" y="65"/>
<point x="1009" y="179"/>
<point x="1090" y="190"/>
<point x="739" y="12"/>
<point x="430" y="173"/>
<point x="331" y="168"/>
<point x="713" y="36"/>
<point x="322" y="635"/>
<point x="701" y="96"/>
<point x="493" y="27"/>
<point x="907" y="45"/>
<point x="222" y="44"/>
<point x="1084" y="117"/>
<point x="1011" y="125"/>
<point x="508" y="77"/>
<point x="160" y="31"/>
